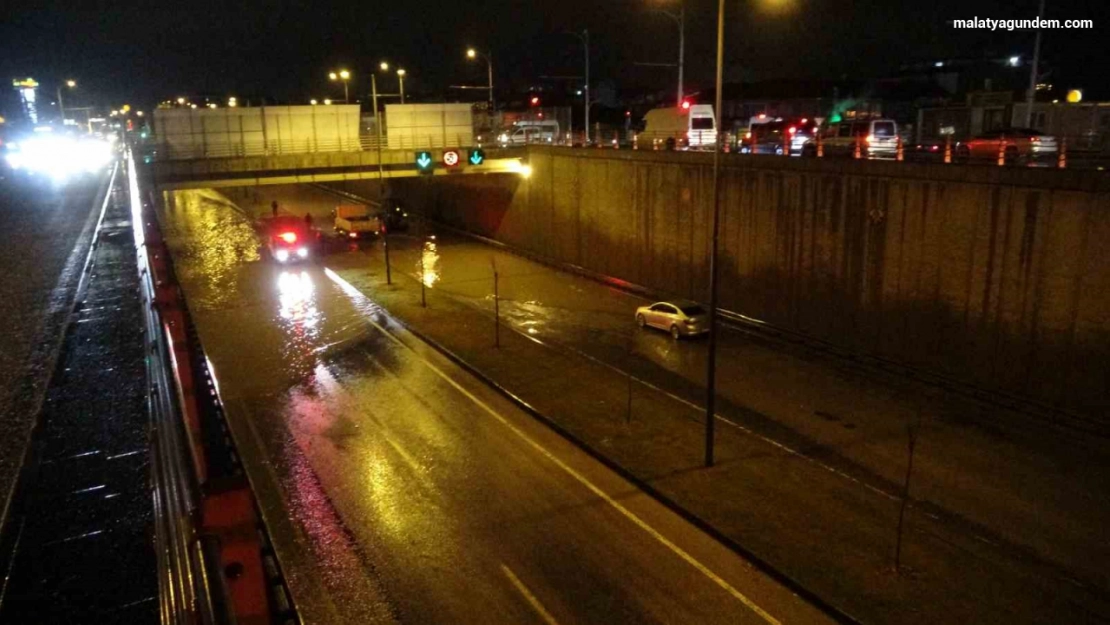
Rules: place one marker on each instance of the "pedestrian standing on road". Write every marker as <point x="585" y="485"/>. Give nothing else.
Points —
<point x="273" y="208"/>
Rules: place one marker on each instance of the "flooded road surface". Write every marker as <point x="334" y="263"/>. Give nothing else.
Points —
<point x="398" y="488"/>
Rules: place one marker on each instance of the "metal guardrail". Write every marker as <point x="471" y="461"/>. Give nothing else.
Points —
<point x="215" y="562"/>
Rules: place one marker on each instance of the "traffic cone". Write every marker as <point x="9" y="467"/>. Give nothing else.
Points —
<point x="1001" y="152"/>
<point x="900" y="154"/>
<point x="948" y="148"/>
<point x="1062" y="157"/>
<point x="820" y="146"/>
<point x="856" y="151"/>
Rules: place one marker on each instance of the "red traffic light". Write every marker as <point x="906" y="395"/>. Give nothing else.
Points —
<point x="535" y="100"/>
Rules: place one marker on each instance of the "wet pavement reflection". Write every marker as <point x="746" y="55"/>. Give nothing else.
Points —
<point x="406" y="499"/>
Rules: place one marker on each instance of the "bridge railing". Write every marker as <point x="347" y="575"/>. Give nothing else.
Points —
<point x="215" y="562"/>
<point x="172" y="151"/>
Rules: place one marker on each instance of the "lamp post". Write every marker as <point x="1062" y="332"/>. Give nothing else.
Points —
<point x="680" y="19"/>
<point x="471" y="53"/>
<point x="72" y="84"/>
<point x="381" y="166"/>
<point x="1030" y="96"/>
<point x="401" y="84"/>
<point x="711" y="367"/>
<point x="584" y="37"/>
<point x="345" y="76"/>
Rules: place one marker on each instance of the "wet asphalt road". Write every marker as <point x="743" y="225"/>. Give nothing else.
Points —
<point x="400" y="489"/>
<point x="45" y="229"/>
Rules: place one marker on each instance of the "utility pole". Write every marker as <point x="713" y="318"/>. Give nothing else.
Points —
<point x="711" y="368"/>
<point x="1030" y="96"/>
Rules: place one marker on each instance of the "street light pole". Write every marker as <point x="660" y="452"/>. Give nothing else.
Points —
<point x="711" y="368"/>
<point x="381" y="175"/>
<point x="61" y="104"/>
<point x="401" y="83"/>
<point x="584" y="37"/>
<point x="489" y="68"/>
<point x="682" y="50"/>
<point x="586" y="88"/>
<point x="1030" y="96"/>
<point x="472" y="53"/>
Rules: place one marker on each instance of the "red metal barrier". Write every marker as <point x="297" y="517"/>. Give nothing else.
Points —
<point x="226" y="510"/>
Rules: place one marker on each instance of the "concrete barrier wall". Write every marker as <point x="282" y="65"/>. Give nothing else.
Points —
<point x="999" y="276"/>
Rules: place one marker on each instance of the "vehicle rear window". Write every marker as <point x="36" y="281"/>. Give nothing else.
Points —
<point x="884" y="129"/>
<point x="691" y="311"/>
<point x="702" y="123"/>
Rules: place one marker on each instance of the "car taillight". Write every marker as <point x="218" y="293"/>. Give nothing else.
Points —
<point x="1034" y="139"/>
<point x="288" y="237"/>
<point x="791" y="130"/>
<point x="353" y="235"/>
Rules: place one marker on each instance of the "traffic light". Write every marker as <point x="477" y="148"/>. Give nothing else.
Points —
<point x="424" y="162"/>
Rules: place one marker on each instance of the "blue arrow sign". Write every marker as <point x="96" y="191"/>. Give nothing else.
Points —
<point x="477" y="157"/>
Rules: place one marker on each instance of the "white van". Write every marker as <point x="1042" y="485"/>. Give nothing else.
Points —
<point x="695" y="127"/>
<point x="529" y="132"/>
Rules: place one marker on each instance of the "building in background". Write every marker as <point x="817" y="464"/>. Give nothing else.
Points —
<point x="27" y="89"/>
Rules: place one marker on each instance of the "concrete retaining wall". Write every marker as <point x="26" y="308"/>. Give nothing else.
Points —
<point x="998" y="276"/>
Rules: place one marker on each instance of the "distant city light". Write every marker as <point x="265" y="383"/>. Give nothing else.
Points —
<point x="1015" y="61"/>
<point x="312" y="101"/>
<point x="938" y="64"/>
<point x="181" y="100"/>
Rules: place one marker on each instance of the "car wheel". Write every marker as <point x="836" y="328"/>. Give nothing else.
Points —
<point x="675" y="334"/>
<point x="640" y="321"/>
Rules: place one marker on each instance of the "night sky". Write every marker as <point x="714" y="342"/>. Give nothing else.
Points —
<point x="143" y="51"/>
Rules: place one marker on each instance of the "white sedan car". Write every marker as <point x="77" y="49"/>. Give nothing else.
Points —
<point x="679" y="317"/>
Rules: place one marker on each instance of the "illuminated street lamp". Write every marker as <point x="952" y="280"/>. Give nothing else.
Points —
<point x="233" y="102"/>
<point x="181" y="101"/>
<point x="327" y="101"/>
<point x="401" y="83"/>
<point x="72" y="84"/>
<point x="345" y="76"/>
<point x="473" y="54"/>
<point x="312" y="101"/>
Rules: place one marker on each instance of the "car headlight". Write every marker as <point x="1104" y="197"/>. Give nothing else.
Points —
<point x="281" y="255"/>
<point x="303" y="252"/>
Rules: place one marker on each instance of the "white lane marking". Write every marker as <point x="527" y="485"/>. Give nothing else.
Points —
<point x="536" y="605"/>
<point x="631" y="516"/>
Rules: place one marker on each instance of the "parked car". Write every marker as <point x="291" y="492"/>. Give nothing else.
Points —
<point x="1014" y="144"/>
<point x="679" y="317"/>
<point x="877" y="138"/>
